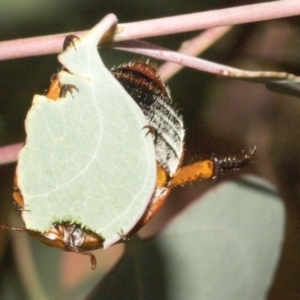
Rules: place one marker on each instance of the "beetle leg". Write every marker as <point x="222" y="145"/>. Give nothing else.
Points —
<point x="56" y="90"/>
<point x="232" y="162"/>
<point x="151" y="130"/>
<point x="123" y="236"/>
<point x="158" y="200"/>
<point x="21" y="229"/>
<point x="67" y="88"/>
<point x="210" y="168"/>
<point x="19" y="208"/>
<point x="161" y="193"/>
<point x="93" y="259"/>
<point x="69" y="40"/>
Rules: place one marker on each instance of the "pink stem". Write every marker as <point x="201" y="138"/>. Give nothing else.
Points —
<point x="208" y="19"/>
<point x="9" y="154"/>
<point x="193" y="47"/>
<point x="170" y="25"/>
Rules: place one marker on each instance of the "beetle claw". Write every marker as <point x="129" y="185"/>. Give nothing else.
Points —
<point x="67" y="88"/>
<point x="151" y="130"/>
<point x="123" y="236"/>
<point x="232" y="162"/>
<point x="69" y="40"/>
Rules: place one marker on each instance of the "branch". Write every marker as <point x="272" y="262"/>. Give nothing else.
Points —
<point x="193" y="47"/>
<point x="196" y="21"/>
<point x="203" y="20"/>
<point x="9" y="154"/>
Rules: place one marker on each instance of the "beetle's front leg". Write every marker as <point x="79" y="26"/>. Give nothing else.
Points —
<point x="210" y="168"/>
<point x="56" y="90"/>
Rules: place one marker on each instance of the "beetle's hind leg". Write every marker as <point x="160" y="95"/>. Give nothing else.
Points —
<point x="211" y="168"/>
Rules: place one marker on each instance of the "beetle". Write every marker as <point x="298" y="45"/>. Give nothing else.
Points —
<point x="141" y="80"/>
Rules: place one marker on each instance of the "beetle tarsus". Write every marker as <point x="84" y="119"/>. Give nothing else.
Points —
<point x="69" y="40"/>
<point x="123" y="236"/>
<point x="151" y="130"/>
<point x="93" y="259"/>
<point x="232" y="162"/>
<point x="67" y="88"/>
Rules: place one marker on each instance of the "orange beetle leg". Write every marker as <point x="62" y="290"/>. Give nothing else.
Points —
<point x="200" y="170"/>
<point x="151" y="211"/>
<point x="18" y="201"/>
<point x="161" y="183"/>
<point x="157" y="201"/>
<point x="154" y="208"/>
<point x="162" y="177"/>
<point x="211" y="168"/>
<point x="54" y="88"/>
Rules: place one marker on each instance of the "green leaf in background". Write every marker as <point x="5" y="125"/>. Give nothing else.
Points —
<point x="224" y="246"/>
<point x="87" y="158"/>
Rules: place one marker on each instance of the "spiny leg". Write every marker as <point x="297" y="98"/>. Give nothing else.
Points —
<point x="69" y="40"/>
<point x="233" y="162"/>
<point x="93" y="259"/>
<point x="67" y="88"/>
<point x="151" y="130"/>
<point x="123" y="236"/>
<point x="56" y="90"/>
<point x="210" y="168"/>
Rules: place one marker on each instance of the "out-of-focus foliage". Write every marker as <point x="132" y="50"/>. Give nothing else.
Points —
<point x="224" y="246"/>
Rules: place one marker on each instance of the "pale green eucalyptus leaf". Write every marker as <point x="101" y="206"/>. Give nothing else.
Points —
<point x="87" y="158"/>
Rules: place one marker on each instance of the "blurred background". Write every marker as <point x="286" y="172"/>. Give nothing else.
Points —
<point x="221" y="116"/>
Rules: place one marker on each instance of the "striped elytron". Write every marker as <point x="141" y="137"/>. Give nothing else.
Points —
<point x="141" y="81"/>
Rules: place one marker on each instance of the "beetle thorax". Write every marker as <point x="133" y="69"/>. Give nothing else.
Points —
<point x="73" y="235"/>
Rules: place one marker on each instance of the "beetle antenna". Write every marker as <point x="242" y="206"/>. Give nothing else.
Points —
<point x="21" y="229"/>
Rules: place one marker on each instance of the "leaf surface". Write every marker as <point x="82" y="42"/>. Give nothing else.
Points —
<point x="226" y="245"/>
<point x="87" y="158"/>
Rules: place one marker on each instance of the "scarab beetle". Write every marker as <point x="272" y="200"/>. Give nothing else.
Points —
<point x="140" y="79"/>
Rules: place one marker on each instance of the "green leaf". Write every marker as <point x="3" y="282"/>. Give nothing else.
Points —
<point x="224" y="246"/>
<point x="87" y="158"/>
